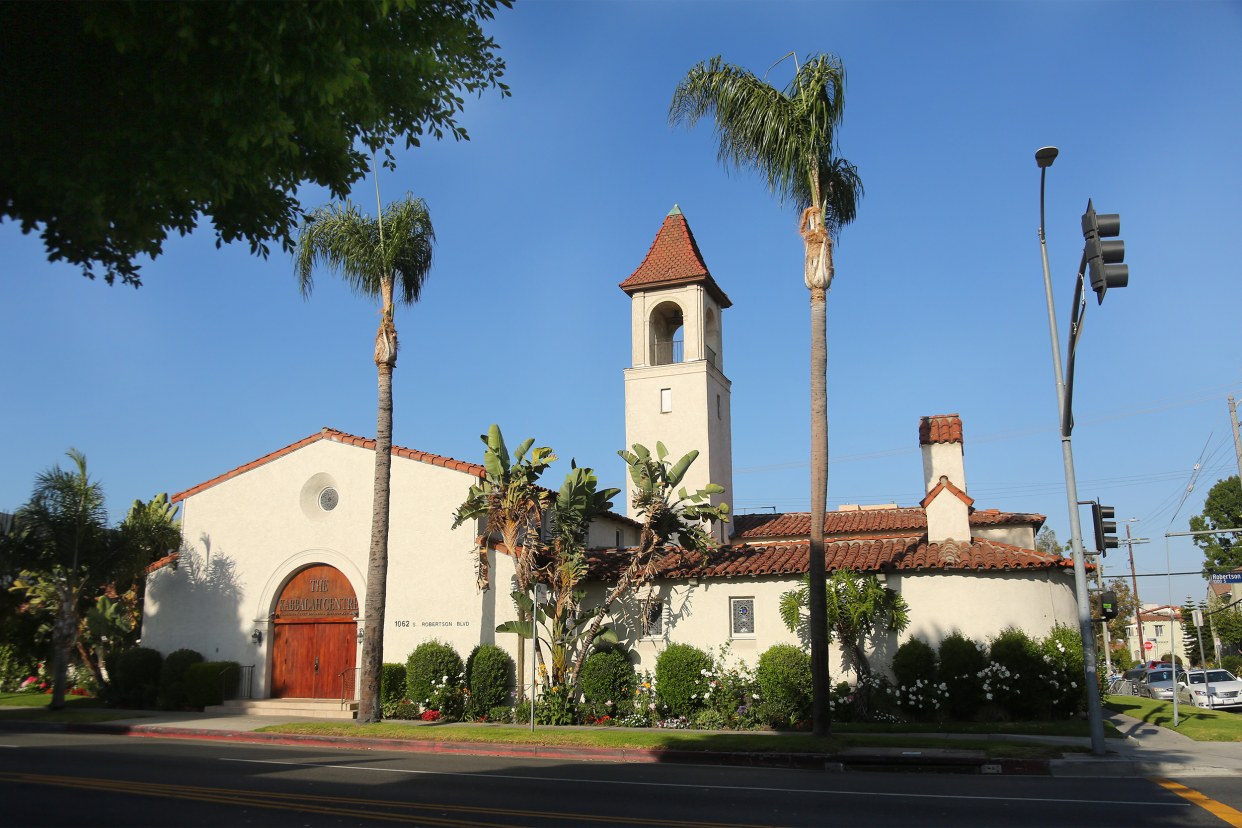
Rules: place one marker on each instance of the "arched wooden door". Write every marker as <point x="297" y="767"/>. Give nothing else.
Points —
<point x="316" y="635"/>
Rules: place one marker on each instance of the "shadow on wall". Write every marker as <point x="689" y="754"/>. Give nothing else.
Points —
<point x="198" y="601"/>
<point x="625" y="617"/>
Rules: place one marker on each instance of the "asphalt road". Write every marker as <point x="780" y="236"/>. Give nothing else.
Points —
<point x="70" y="779"/>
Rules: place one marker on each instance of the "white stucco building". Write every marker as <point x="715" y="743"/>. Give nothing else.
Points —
<point x="272" y="571"/>
<point x="1162" y="626"/>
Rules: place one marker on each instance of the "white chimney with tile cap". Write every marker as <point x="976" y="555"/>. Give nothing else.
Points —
<point x="944" y="479"/>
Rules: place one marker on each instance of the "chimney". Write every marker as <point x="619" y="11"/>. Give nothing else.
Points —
<point x="944" y="479"/>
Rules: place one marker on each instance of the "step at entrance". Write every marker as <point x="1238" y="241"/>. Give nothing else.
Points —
<point x="316" y="708"/>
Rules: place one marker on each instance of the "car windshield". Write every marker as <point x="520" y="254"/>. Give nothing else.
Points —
<point x="1160" y="675"/>
<point x="1213" y="676"/>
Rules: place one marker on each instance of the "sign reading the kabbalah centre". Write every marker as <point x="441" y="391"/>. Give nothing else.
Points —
<point x="317" y="592"/>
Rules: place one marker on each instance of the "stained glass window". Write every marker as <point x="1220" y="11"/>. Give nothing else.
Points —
<point x="328" y="499"/>
<point x="743" y="612"/>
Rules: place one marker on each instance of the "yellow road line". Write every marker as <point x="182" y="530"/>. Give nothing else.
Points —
<point x="325" y="804"/>
<point x="1216" y="809"/>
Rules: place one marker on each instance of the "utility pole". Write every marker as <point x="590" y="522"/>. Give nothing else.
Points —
<point x="1138" y="605"/>
<point x="1237" y="441"/>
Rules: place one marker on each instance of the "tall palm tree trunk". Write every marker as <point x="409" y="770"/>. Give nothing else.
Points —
<point x="64" y="635"/>
<point x="370" y="707"/>
<point x="818" y="604"/>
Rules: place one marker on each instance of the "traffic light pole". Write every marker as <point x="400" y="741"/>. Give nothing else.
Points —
<point x="1094" y="715"/>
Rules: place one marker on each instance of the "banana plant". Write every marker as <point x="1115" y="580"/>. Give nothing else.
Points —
<point x="511" y="504"/>
<point x="561" y="630"/>
<point x="683" y="518"/>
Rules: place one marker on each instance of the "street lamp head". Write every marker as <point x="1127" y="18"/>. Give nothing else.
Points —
<point x="1044" y="156"/>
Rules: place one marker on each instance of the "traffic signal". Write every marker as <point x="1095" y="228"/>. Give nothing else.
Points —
<point x="1104" y="257"/>
<point x="1108" y="605"/>
<point x="1105" y="527"/>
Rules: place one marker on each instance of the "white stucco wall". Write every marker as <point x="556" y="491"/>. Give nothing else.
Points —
<point x="979" y="605"/>
<point x="245" y="537"/>
<point x="1022" y="535"/>
<point x="943" y="459"/>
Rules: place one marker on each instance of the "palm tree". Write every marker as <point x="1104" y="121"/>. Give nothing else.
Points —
<point x="387" y="258"/>
<point x="789" y="137"/>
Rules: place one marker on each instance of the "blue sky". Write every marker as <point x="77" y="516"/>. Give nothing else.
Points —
<point x="938" y="304"/>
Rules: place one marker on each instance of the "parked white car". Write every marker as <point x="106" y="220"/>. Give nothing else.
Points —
<point x="1226" y="690"/>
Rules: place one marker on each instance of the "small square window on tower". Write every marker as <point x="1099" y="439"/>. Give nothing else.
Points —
<point x="742" y="617"/>
<point x="666" y="400"/>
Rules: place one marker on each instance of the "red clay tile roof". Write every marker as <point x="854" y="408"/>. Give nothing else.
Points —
<point x="907" y="552"/>
<point x="940" y="428"/>
<point x="335" y="436"/>
<point x="674" y="259"/>
<point x="793" y="524"/>
<point x="161" y="563"/>
<point x="945" y="483"/>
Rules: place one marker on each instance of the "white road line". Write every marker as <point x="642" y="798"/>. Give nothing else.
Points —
<point x="10" y="745"/>
<point x="699" y="787"/>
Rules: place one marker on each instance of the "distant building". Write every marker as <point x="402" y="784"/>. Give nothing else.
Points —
<point x="1161" y="623"/>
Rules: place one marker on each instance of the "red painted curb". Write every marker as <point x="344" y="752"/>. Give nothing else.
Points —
<point x="804" y="761"/>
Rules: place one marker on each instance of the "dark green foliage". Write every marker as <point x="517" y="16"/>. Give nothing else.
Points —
<point x="123" y="121"/>
<point x="1063" y="664"/>
<point x="1018" y="691"/>
<point x="1232" y="663"/>
<point x="784" y="676"/>
<point x="135" y="677"/>
<point x="914" y="661"/>
<point x="679" y="676"/>
<point x="392" y="684"/>
<point x="204" y="682"/>
<point x="961" y="661"/>
<point x="172" y="691"/>
<point x="489" y="675"/>
<point x="428" y="666"/>
<point x="608" y="676"/>
<point x="1221" y="510"/>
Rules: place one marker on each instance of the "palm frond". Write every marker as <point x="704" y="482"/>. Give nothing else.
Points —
<point x="346" y="241"/>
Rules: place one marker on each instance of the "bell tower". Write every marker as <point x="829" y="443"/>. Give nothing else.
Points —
<point x="675" y="390"/>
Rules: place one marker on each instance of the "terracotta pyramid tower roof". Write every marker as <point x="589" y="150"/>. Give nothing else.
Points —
<point x="674" y="259"/>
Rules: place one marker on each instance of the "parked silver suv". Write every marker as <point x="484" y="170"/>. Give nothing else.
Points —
<point x="1158" y="684"/>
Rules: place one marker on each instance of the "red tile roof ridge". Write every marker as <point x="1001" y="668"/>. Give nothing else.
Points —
<point x="797" y="524"/>
<point x="674" y="258"/>
<point x="940" y="428"/>
<point x="946" y="483"/>
<point x="161" y="563"/>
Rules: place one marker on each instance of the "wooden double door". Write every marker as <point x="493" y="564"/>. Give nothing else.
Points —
<point x="315" y="639"/>
<point x="310" y="657"/>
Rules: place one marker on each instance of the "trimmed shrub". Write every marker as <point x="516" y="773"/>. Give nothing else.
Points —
<point x="679" y="675"/>
<point x="784" y="677"/>
<point x="203" y="683"/>
<point x="172" y="692"/>
<point x="1015" y="686"/>
<point x="429" y="665"/>
<point x="489" y="674"/>
<point x="392" y="685"/>
<point x="608" y="676"/>
<point x="1232" y="663"/>
<point x="961" y="662"/>
<point x="1062" y="652"/>
<point x="914" y="661"/>
<point x="134" y="676"/>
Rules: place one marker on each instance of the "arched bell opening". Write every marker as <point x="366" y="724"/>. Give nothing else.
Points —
<point x="711" y="338"/>
<point x="667" y="337"/>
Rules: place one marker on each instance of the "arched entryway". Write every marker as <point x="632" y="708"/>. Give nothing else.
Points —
<point x="315" y="636"/>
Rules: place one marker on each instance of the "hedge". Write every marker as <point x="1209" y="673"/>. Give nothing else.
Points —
<point x="172" y="675"/>
<point x="134" y="677"/>
<point x="427" y="666"/>
<point x="679" y="673"/>
<point x="961" y="662"/>
<point x="203" y="683"/>
<point x="608" y="676"/>
<point x="489" y="674"/>
<point x="392" y="684"/>
<point x="784" y="677"/>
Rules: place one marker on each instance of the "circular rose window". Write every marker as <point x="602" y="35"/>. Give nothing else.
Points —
<point x="328" y="499"/>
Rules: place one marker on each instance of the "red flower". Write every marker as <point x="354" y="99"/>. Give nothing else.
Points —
<point x="430" y="715"/>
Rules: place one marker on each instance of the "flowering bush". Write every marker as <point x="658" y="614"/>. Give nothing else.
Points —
<point x="679" y="723"/>
<point x="430" y="715"/>
<point x="447" y="699"/>
<point x="680" y="672"/>
<point x="961" y="665"/>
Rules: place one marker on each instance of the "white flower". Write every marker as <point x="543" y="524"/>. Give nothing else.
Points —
<point x="989" y="695"/>
<point x="1074" y="684"/>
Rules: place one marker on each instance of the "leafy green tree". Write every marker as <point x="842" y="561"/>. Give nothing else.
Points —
<point x="1221" y="510"/>
<point x="683" y="519"/>
<point x="65" y="554"/>
<point x="511" y="504"/>
<point x="125" y="120"/>
<point x="386" y="258"/>
<point x="789" y="137"/>
<point x="1046" y="542"/>
<point x="859" y="608"/>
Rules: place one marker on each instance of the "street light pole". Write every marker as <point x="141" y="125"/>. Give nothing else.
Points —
<point x="1044" y="157"/>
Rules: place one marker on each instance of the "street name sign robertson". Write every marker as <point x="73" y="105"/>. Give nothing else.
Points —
<point x="1227" y="578"/>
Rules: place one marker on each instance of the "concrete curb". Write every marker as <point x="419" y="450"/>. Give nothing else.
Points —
<point x="1132" y="767"/>
<point x="854" y="758"/>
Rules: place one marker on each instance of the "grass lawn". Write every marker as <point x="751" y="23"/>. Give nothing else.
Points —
<point x="40" y="714"/>
<point x="658" y="739"/>
<point x="1200" y="725"/>
<point x="44" y="699"/>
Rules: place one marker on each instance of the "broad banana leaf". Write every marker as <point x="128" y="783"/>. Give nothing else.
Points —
<point x="679" y="471"/>
<point x="521" y="628"/>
